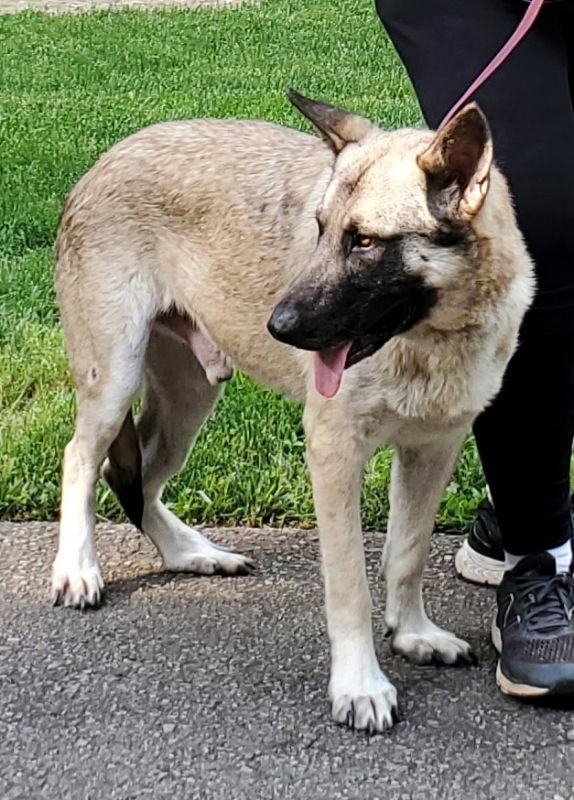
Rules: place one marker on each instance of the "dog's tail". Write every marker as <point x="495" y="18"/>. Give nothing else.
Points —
<point x="123" y="471"/>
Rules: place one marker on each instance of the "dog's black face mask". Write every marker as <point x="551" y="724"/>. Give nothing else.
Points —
<point x="347" y="312"/>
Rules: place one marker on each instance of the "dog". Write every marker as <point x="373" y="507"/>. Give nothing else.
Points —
<point x="378" y="277"/>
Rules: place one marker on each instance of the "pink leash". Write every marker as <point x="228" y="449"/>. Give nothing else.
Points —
<point x="521" y="30"/>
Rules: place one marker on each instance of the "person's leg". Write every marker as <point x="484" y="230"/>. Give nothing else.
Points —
<point x="525" y="437"/>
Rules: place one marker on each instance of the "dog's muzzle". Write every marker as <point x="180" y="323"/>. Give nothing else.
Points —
<point x="339" y="335"/>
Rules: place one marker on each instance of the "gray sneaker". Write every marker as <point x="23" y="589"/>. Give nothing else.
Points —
<point x="533" y="629"/>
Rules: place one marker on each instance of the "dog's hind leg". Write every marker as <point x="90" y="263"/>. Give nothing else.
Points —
<point x="107" y="371"/>
<point x="418" y="480"/>
<point x="178" y="398"/>
<point x="361" y="695"/>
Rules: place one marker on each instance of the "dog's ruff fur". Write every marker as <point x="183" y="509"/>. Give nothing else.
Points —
<point x="172" y="252"/>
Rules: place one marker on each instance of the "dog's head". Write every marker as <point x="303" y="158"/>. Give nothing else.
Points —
<point x="394" y="232"/>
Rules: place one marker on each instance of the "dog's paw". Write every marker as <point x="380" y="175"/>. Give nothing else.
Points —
<point x="432" y="645"/>
<point x="370" y="707"/>
<point x="75" y="586"/>
<point x="215" y="560"/>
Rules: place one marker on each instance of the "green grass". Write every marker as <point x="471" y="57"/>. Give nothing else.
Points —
<point x="69" y="88"/>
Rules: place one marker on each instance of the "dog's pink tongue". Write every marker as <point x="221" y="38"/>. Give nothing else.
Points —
<point x="329" y="365"/>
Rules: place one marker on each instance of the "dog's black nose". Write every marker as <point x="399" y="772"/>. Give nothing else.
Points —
<point x="285" y="322"/>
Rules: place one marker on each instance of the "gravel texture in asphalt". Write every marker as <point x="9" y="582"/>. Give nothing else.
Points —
<point x="215" y="688"/>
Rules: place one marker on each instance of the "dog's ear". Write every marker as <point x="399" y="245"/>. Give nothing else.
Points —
<point x="337" y="126"/>
<point x="457" y="165"/>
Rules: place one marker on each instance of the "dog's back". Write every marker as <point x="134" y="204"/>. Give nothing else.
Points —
<point x="198" y="207"/>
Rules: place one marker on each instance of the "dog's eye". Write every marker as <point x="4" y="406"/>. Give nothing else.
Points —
<point x="363" y="242"/>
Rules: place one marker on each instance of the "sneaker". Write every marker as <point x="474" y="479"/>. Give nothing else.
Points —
<point x="533" y="629"/>
<point x="480" y="559"/>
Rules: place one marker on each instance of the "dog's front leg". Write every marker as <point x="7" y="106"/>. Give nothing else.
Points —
<point x="418" y="480"/>
<point x="361" y="695"/>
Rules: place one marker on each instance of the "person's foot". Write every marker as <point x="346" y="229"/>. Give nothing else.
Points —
<point x="480" y="559"/>
<point x="533" y="629"/>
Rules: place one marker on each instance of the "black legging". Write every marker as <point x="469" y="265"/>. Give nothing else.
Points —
<point x="525" y="437"/>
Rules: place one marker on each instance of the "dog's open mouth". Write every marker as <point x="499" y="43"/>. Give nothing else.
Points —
<point x="330" y="363"/>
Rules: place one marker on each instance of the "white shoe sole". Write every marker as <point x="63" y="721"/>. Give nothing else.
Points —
<point x="476" y="568"/>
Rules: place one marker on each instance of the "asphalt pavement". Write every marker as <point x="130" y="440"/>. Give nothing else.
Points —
<point x="188" y="687"/>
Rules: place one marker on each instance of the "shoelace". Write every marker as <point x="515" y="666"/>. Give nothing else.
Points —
<point x="546" y="605"/>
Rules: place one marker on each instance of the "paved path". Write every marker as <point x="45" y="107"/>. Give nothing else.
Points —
<point x="188" y="687"/>
<point x="65" y="6"/>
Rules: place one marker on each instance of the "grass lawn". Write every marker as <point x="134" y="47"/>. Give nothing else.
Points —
<point x="70" y="87"/>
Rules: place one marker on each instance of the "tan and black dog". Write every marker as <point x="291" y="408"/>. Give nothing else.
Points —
<point x="394" y="255"/>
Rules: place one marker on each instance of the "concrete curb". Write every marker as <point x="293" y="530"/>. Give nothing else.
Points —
<point x="82" y="6"/>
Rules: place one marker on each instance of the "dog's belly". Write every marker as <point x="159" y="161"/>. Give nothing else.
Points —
<point x="238" y="325"/>
<point x="232" y="293"/>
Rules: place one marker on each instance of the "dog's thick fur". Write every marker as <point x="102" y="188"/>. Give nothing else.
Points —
<point x="172" y="252"/>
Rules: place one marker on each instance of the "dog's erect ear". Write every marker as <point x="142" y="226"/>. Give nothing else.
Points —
<point x="457" y="165"/>
<point x="337" y="126"/>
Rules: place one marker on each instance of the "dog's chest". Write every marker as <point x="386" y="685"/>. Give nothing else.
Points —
<point x="436" y="385"/>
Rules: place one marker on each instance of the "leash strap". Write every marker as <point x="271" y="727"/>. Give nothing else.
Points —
<point x="521" y="30"/>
